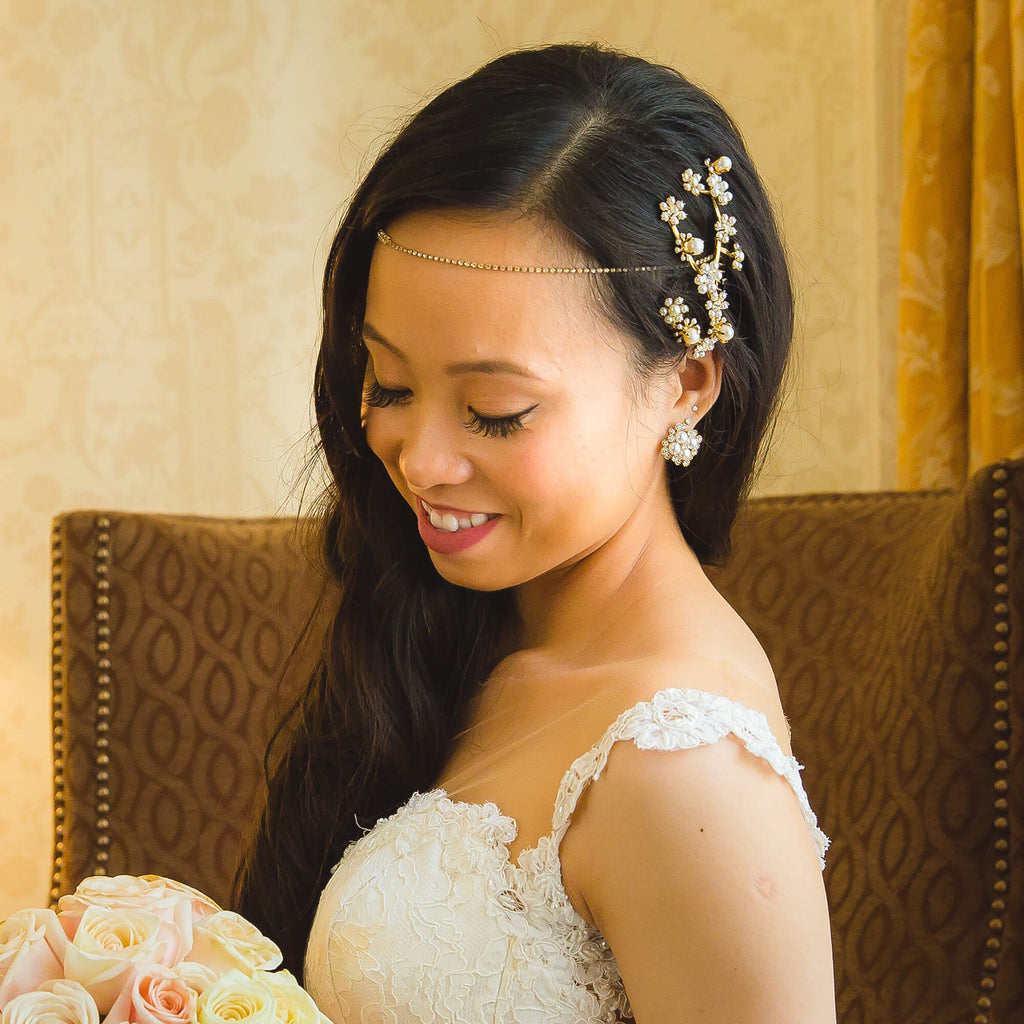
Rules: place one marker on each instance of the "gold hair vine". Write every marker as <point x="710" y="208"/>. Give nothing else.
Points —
<point x="385" y="239"/>
<point x="707" y="272"/>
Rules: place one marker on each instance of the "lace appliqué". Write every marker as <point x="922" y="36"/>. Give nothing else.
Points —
<point x="427" y="919"/>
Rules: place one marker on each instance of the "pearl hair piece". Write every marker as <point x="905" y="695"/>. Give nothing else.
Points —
<point x="707" y="271"/>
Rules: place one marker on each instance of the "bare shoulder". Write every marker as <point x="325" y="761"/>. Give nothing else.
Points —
<point x="699" y="869"/>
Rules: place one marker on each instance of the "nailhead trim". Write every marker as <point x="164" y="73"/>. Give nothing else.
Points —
<point x="101" y="602"/>
<point x="57" y="704"/>
<point x="1001" y="728"/>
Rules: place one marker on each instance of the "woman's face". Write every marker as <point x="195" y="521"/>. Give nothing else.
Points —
<point x="503" y="404"/>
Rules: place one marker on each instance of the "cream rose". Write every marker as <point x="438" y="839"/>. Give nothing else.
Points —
<point x="31" y="951"/>
<point x="198" y="977"/>
<point x="153" y="995"/>
<point x="54" y="1002"/>
<point x="109" y="941"/>
<point x="238" y="999"/>
<point x="226" y="941"/>
<point x="171" y="901"/>
<point x="294" y="1004"/>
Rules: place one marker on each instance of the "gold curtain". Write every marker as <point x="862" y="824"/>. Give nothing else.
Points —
<point x="961" y="310"/>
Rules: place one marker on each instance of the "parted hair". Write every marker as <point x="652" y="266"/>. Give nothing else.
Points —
<point x="590" y="140"/>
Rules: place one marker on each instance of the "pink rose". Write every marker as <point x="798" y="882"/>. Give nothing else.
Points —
<point x="31" y="952"/>
<point x="153" y="995"/>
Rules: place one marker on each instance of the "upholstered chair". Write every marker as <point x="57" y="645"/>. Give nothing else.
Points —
<point x="894" y="622"/>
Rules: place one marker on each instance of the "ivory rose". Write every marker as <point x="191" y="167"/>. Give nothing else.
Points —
<point x="239" y="999"/>
<point x="109" y="941"/>
<point x="198" y="977"/>
<point x="294" y="1004"/>
<point x="153" y="995"/>
<point x="226" y="941"/>
<point x="31" y="951"/>
<point x="53" y="1002"/>
<point x="171" y="901"/>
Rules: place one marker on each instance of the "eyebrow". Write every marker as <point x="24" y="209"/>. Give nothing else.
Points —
<point x="493" y="366"/>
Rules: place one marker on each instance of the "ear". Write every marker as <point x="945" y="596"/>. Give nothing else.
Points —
<point x="699" y="384"/>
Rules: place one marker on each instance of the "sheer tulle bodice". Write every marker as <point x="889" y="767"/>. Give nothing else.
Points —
<point x="427" y="918"/>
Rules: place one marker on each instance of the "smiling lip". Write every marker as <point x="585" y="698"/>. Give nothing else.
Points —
<point x="445" y="543"/>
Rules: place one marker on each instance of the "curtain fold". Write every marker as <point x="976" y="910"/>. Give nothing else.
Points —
<point x="960" y="389"/>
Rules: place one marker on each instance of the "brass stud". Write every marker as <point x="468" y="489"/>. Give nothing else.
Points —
<point x="1001" y="785"/>
<point x="998" y="906"/>
<point x="1002" y="686"/>
<point x="1001" y="866"/>
<point x="103" y="792"/>
<point x="1002" y="608"/>
<point x="1000" y="886"/>
<point x="984" y="1003"/>
<point x="1002" y="746"/>
<point x="996" y="924"/>
<point x="999" y="475"/>
<point x="991" y="964"/>
<point x="1002" y="845"/>
<point x="103" y="840"/>
<point x="1001" y="725"/>
<point x="1000" y="494"/>
<point x="1001" y="514"/>
<point x="103" y="776"/>
<point x="988" y="984"/>
<point x="1002" y="628"/>
<point x="1000" y="533"/>
<point x="1001" y="647"/>
<point x="1002" y="590"/>
<point x="1002" y="824"/>
<point x="993" y="943"/>
<point x="1001" y="551"/>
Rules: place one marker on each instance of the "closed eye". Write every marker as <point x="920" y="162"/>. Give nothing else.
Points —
<point x="497" y="426"/>
<point x="380" y="397"/>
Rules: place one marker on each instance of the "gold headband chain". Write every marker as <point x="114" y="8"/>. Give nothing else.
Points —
<point x="386" y="239"/>
<point x="708" y="275"/>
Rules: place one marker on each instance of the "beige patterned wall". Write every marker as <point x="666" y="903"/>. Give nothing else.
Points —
<point x="168" y="175"/>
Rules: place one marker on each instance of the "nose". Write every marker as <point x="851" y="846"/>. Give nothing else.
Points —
<point x="430" y="454"/>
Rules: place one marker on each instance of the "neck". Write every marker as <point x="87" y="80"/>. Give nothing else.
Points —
<point x="599" y="608"/>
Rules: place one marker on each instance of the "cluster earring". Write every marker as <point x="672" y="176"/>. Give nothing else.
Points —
<point x="682" y="443"/>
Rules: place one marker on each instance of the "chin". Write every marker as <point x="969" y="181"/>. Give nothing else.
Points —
<point x="480" y="578"/>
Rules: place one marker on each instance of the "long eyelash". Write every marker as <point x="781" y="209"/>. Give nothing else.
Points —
<point x="497" y="426"/>
<point x="379" y="397"/>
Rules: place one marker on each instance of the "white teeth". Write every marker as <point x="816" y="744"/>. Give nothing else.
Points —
<point x="452" y="524"/>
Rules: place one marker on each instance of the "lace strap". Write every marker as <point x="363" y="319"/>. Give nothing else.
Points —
<point x="680" y="719"/>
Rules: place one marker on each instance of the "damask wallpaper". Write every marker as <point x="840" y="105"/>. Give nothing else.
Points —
<point x="169" y="175"/>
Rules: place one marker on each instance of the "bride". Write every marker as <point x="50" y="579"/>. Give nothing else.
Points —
<point x="541" y="772"/>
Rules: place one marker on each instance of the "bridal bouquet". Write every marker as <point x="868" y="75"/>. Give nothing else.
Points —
<point x="144" y="950"/>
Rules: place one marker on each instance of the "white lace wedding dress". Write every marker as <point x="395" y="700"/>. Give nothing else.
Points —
<point x="426" y="919"/>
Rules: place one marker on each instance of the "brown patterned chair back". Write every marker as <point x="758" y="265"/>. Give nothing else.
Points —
<point x="894" y="622"/>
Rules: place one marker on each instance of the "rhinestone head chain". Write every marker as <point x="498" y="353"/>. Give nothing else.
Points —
<point x="707" y="271"/>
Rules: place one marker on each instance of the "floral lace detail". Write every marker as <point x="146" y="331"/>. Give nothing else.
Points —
<point x="426" y="918"/>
